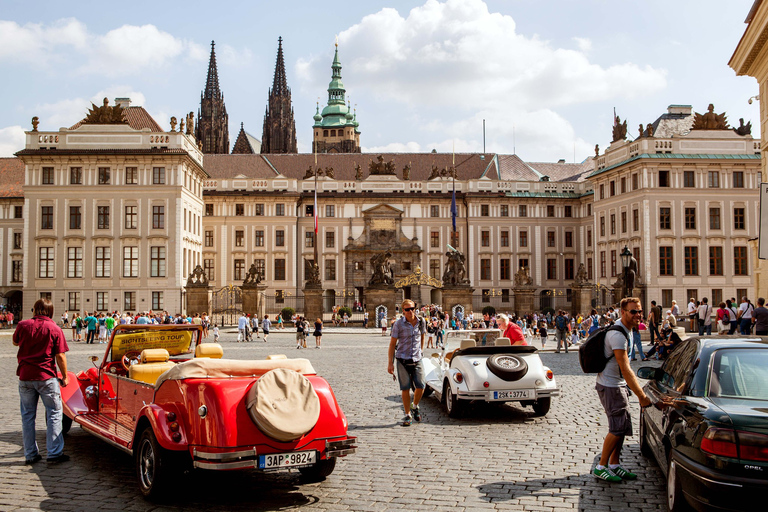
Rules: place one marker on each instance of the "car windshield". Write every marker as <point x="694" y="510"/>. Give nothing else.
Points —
<point x="176" y="341"/>
<point x="481" y="337"/>
<point x="740" y="373"/>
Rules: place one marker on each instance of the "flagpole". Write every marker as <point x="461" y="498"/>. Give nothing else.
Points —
<point x="317" y="261"/>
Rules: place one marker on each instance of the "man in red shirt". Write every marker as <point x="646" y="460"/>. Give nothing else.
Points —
<point x="42" y="346"/>
<point x="510" y="330"/>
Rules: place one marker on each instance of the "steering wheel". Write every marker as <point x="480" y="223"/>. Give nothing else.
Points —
<point x="130" y="358"/>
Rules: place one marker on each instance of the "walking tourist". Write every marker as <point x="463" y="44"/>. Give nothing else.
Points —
<point x="543" y="332"/>
<point x="705" y="317"/>
<point x="405" y="349"/>
<point x="266" y="325"/>
<point x="561" y="331"/>
<point x="760" y="318"/>
<point x="215" y="333"/>
<point x="654" y="320"/>
<point x="318" y="334"/>
<point x="242" y="323"/>
<point x="91" y="322"/>
<point x="692" y="307"/>
<point x="612" y="387"/>
<point x="42" y="347"/>
<point x="745" y="316"/>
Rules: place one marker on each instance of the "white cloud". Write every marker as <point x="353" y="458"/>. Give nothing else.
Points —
<point x="583" y="43"/>
<point x="122" y="51"/>
<point x="396" y="147"/>
<point x="231" y="57"/>
<point x="12" y="139"/>
<point x="459" y="63"/>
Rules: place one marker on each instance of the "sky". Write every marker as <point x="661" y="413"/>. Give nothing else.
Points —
<point x="545" y="75"/>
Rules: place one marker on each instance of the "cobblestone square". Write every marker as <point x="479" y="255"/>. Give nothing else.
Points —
<point x="495" y="458"/>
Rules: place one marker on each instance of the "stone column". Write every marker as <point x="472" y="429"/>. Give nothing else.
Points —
<point x="457" y="295"/>
<point x="581" y="298"/>
<point x="252" y="299"/>
<point x="380" y="295"/>
<point x="524" y="299"/>
<point x="313" y="302"/>
<point x="198" y="300"/>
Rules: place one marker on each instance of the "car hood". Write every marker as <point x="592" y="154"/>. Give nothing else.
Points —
<point x="749" y="414"/>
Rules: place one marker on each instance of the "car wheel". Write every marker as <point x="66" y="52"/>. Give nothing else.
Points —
<point x="453" y="405"/>
<point x="66" y="423"/>
<point x="675" y="498"/>
<point x="152" y="465"/>
<point x="319" y="471"/>
<point x="541" y="406"/>
<point x="645" y="448"/>
<point x="508" y="367"/>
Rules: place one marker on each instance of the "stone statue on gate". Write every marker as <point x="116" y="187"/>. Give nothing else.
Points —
<point x="523" y="277"/>
<point x="382" y="271"/>
<point x="455" y="269"/>
<point x="312" y="273"/>
<point x="630" y="274"/>
<point x="253" y="276"/>
<point x="197" y="277"/>
<point x="581" y="275"/>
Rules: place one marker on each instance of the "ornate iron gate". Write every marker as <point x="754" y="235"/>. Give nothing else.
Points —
<point x="226" y="305"/>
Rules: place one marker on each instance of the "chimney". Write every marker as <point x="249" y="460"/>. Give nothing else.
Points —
<point x="561" y="161"/>
<point x="123" y="102"/>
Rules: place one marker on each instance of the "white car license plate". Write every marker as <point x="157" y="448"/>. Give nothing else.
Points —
<point x="287" y="460"/>
<point x="517" y="394"/>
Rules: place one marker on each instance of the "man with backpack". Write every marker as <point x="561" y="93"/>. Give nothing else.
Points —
<point x="561" y="331"/>
<point x="611" y="386"/>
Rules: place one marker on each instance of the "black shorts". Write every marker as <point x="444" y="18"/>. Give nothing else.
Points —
<point x="616" y="404"/>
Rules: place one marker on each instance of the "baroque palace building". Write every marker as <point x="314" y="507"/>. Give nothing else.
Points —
<point x="115" y="212"/>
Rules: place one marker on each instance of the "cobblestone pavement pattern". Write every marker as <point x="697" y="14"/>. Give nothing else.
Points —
<point x="497" y="458"/>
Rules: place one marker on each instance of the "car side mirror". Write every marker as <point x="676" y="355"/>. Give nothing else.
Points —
<point x="648" y="373"/>
<point x="435" y="354"/>
<point x="94" y="360"/>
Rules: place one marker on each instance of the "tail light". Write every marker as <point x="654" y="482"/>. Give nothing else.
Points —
<point x="720" y="441"/>
<point x="735" y="444"/>
<point x="550" y="375"/>
<point x="171" y="416"/>
<point x="458" y="377"/>
<point x="753" y="446"/>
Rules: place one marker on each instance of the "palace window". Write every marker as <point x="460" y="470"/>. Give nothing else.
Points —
<point x="309" y="239"/>
<point x="74" y="262"/>
<point x="635" y="220"/>
<point x="258" y="238"/>
<point x="612" y="188"/>
<point x="665" y="218"/>
<point x="504" y="268"/>
<point x="129" y="301"/>
<point x="613" y="223"/>
<point x="131" y="175"/>
<point x="280" y="210"/>
<point x="157" y="301"/>
<point x="504" y="238"/>
<point x="158" y="217"/>
<point x="740" y="261"/>
<point x="568" y="211"/>
<point x="330" y="210"/>
<point x="485" y="269"/>
<point x="504" y="210"/>
<point x="76" y="176"/>
<point x="664" y="179"/>
<point x="434" y="210"/>
<point x="691" y="260"/>
<point x="101" y="301"/>
<point x="713" y="179"/>
<point x="434" y="239"/>
<point x="46" y="217"/>
<point x="551" y="268"/>
<point x="738" y="218"/>
<point x="715" y="261"/>
<point x="550" y="210"/>
<point x="279" y="269"/>
<point x="279" y="238"/>
<point x="568" y="270"/>
<point x="665" y="261"/>
<point x="75" y="218"/>
<point x="73" y="304"/>
<point x="714" y="218"/>
<point x="484" y="210"/>
<point x="103" y="217"/>
<point x="103" y="175"/>
<point x="208" y="209"/>
<point x="330" y="239"/>
<point x="689" y="179"/>
<point x="157" y="262"/>
<point x="239" y="274"/>
<point x="613" y="263"/>
<point x="209" y="238"/>
<point x="623" y="222"/>
<point x="522" y="210"/>
<point x="569" y="238"/>
<point x="239" y="209"/>
<point x="259" y="212"/>
<point x="550" y="238"/>
<point x="330" y="270"/>
<point x="158" y="175"/>
<point x="523" y="239"/>
<point x="434" y="268"/>
<point x="690" y="218"/>
<point x="738" y="179"/>
<point x="47" y="175"/>
<point x="45" y="269"/>
<point x="208" y="268"/>
<point x="485" y="238"/>
<point x="103" y="262"/>
<point x="239" y="238"/>
<point x="17" y="240"/>
<point x="130" y="262"/>
<point x="131" y="217"/>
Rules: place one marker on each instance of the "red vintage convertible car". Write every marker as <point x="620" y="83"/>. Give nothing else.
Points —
<point x="168" y="399"/>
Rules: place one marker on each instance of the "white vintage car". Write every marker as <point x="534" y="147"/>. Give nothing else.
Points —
<point x="481" y="365"/>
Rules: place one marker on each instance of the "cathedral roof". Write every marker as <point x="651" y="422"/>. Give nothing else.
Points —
<point x="246" y="143"/>
<point x="279" y="83"/>
<point x="11" y="177"/>
<point x="137" y="118"/>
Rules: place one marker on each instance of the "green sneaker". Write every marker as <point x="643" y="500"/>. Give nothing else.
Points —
<point x="607" y="475"/>
<point x="416" y="412"/>
<point x="407" y="421"/>
<point x="624" y="474"/>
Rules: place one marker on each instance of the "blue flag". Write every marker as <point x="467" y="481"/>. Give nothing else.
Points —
<point x="454" y="211"/>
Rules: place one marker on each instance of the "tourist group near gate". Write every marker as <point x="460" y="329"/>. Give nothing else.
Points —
<point x="617" y="301"/>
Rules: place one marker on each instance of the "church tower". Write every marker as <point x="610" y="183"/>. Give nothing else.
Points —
<point x="279" y="134"/>
<point x="336" y="129"/>
<point x="212" y="119"/>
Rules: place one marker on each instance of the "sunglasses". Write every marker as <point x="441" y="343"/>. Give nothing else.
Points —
<point x="408" y="309"/>
<point x="634" y="311"/>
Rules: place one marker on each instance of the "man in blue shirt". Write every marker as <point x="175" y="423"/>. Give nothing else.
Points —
<point x="242" y="324"/>
<point x="405" y="348"/>
<point x="91" y="321"/>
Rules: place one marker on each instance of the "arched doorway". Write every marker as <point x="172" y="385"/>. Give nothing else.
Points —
<point x="13" y="303"/>
<point x="435" y="296"/>
<point x="545" y="300"/>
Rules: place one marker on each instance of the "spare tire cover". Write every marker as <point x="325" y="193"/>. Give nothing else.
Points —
<point x="283" y="404"/>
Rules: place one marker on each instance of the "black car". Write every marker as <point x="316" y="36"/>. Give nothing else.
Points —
<point x="712" y="442"/>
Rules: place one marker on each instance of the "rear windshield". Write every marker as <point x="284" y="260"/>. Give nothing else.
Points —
<point x="740" y="373"/>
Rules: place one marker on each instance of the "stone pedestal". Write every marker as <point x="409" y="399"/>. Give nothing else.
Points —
<point x="457" y="295"/>
<point x="198" y="299"/>
<point x="524" y="300"/>
<point x="581" y="299"/>
<point x="376" y="296"/>
<point x="313" y="303"/>
<point x="253" y="303"/>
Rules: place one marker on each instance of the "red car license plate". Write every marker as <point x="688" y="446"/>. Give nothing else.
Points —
<point x="287" y="460"/>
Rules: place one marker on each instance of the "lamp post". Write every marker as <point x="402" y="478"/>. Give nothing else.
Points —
<point x="626" y="257"/>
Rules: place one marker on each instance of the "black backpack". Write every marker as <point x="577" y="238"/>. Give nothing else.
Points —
<point x="592" y="352"/>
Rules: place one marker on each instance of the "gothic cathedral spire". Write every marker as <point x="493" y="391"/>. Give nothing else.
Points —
<point x="212" y="119"/>
<point x="279" y="134"/>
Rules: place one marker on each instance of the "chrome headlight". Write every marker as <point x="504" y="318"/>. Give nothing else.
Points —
<point x="202" y="411"/>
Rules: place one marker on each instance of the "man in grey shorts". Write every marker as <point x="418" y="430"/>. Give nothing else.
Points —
<point x="405" y="348"/>
<point x="612" y="388"/>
